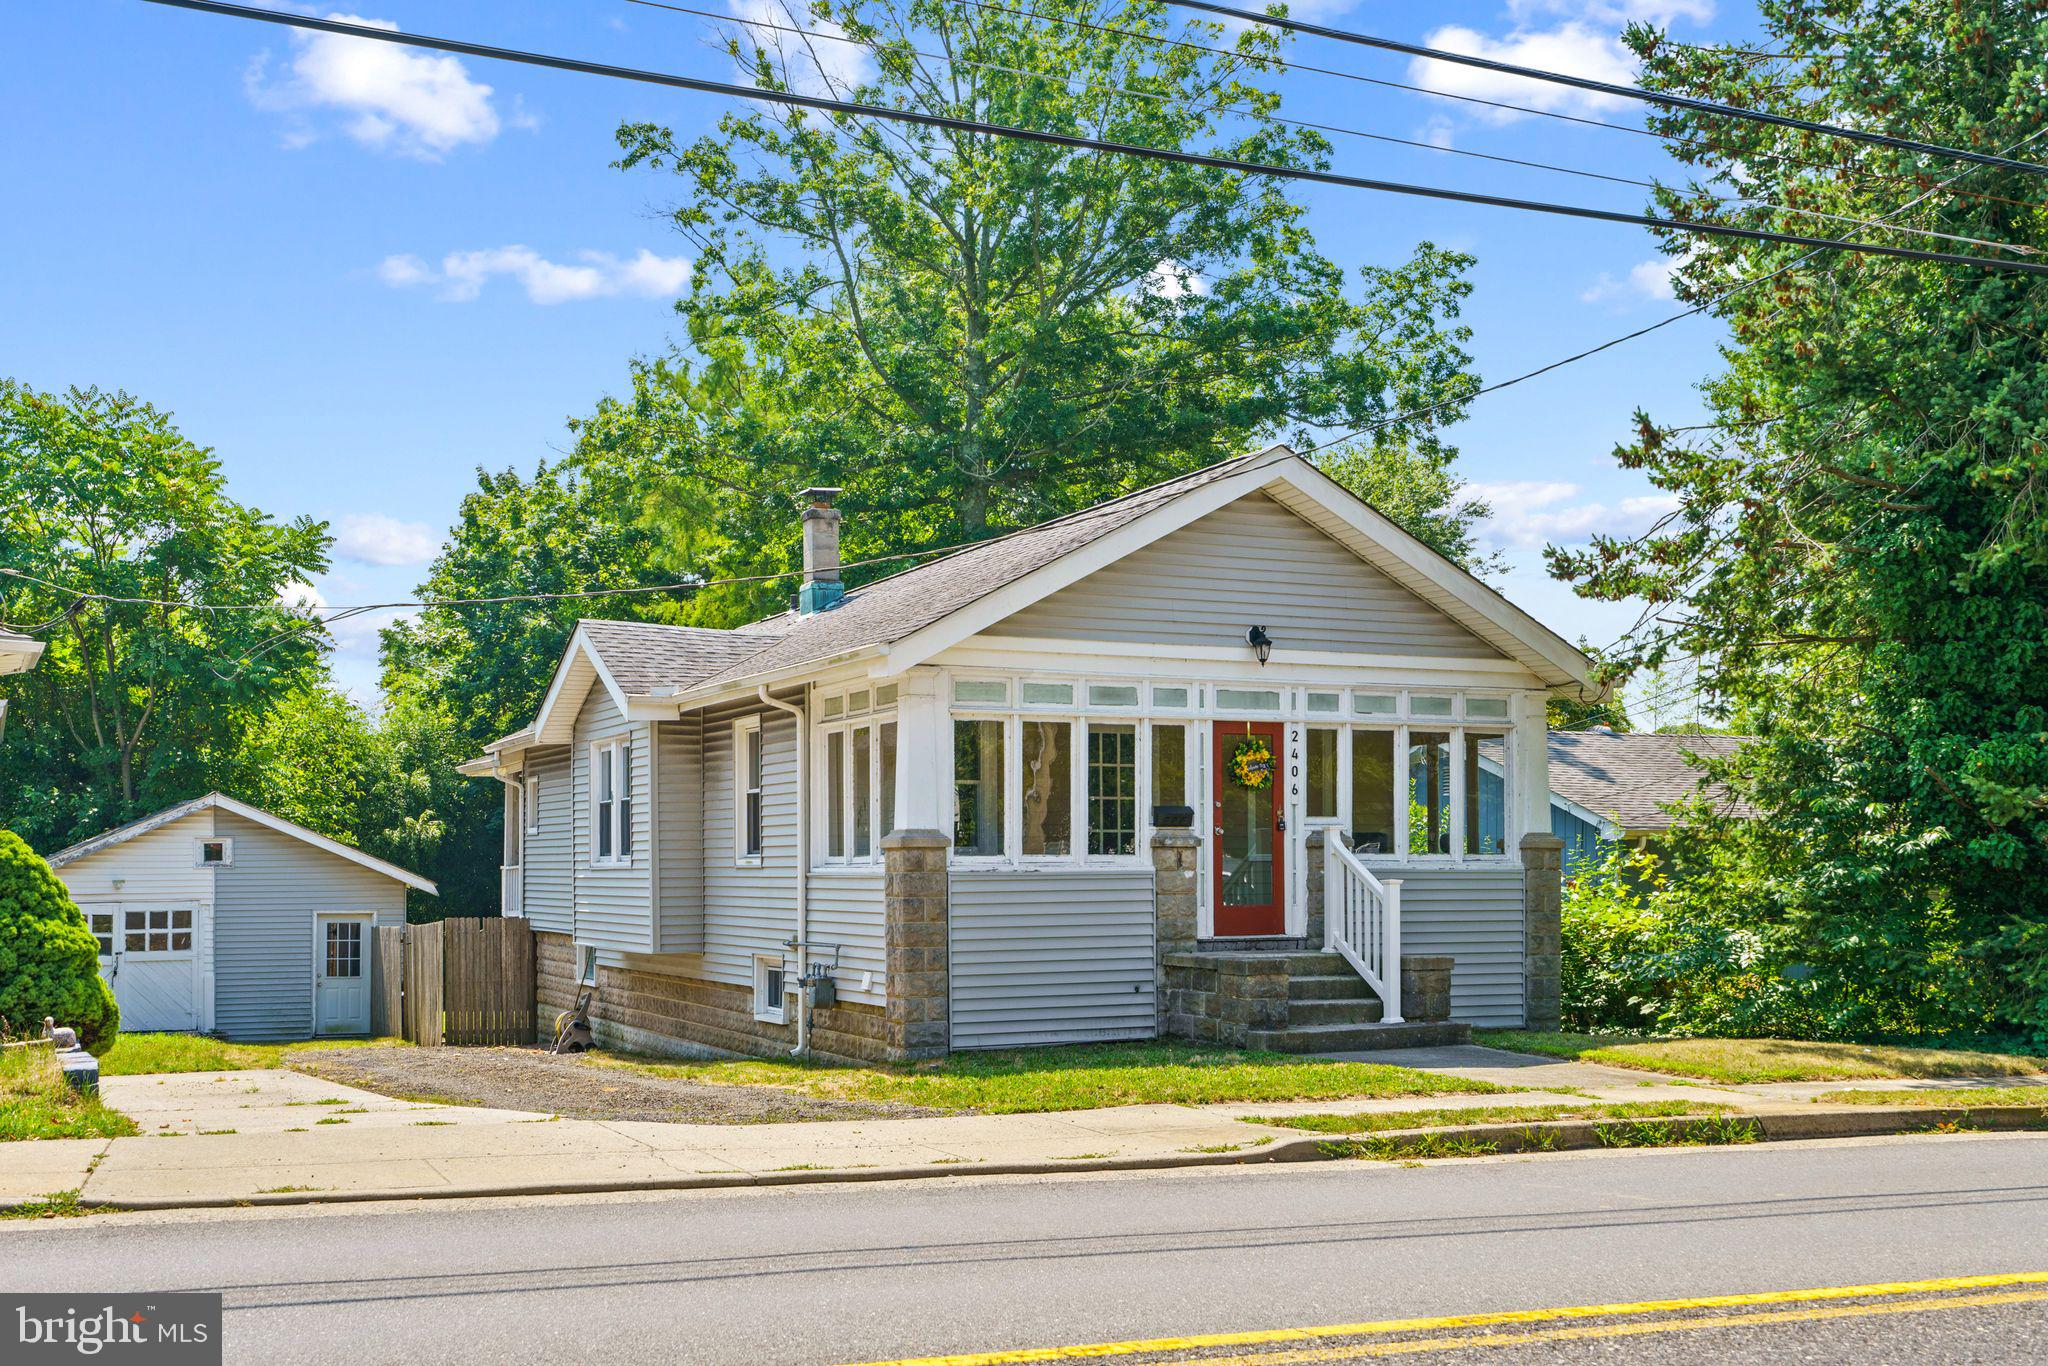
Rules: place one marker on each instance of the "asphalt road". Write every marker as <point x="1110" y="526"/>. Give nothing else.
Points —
<point x="854" y="1273"/>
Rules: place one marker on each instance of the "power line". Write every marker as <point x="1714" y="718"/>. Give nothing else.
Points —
<point x="1070" y="82"/>
<point x="1074" y="142"/>
<point x="1631" y="92"/>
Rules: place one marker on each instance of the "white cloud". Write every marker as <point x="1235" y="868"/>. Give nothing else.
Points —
<point x="1173" y="281"/>
<point x="1660" y="12"/>
<point x="373" y="538"/>
<point x="1645" y="280"/>
<point x="1574" y="48"/>
<point x="301" y="597"/>
<point x="811" y="66"/>
<point x="1527" y="513"/>
<point x="462" y="275"/>
<point x="392" y="98"/>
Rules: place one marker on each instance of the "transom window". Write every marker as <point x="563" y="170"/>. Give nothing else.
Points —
<point x="856" y="773"/>
<point x="611" y="801"/>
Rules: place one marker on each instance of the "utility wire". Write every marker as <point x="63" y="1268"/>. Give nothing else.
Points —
<point x="1071" y="82"/>
<point x="1631" y="92"/>
<point x="975" y="126"/>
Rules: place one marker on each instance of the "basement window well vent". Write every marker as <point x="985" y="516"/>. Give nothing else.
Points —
<point x="770" y="985"/>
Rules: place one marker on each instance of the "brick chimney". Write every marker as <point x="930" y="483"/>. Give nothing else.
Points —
<point x="822" y="588"/>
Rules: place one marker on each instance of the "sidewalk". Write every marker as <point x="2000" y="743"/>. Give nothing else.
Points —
<point x="275" y="1137"/>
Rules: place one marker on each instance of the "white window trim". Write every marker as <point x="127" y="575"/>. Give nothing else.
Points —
<point x="586" y="965"/>
<point x="529" y="796"/>
<point x="227" y="852"/>
<point x="621" y="819"/>
<point x="870" y="718"/>
<point x="743" y="727"/>
<point x="777" y="1011"/>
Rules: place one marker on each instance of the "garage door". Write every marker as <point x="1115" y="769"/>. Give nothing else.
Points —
<point x="1040" y="958"/>
<point x="149" y="953"/>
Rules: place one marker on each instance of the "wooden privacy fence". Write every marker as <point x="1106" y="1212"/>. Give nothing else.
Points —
<point x="459" y="981"/>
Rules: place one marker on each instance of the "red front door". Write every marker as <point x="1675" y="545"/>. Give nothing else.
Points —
<point x="1251" y="873"/>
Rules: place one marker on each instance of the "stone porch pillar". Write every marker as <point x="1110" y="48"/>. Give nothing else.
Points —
<point x="915" y="899"/>
<point x="1543" y="929"/>
<point x="1175" y="874"/>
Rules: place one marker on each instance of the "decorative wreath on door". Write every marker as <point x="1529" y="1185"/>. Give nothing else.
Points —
<point x="1252" y="764"/>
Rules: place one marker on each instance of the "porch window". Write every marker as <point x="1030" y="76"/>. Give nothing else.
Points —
<point x="856" y="777"/>
<point x="835" y="795"/>
<point x="1486" y="769"/>
<point x="863" y="791"/>
<point x="885" y="763"/>
<point x="1048" y="798"/>
<point x="978" y="788"/>
<point x="1112" y="789"/>
<point x="1169" y="765"/>
<point x="1372" y="791"/>
<point x="1429" y="792"/>
<point x="1321" y="777"/>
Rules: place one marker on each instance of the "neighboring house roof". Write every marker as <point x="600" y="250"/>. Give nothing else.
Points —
<point x="1629" y="778"/>
<point x="215" y="801"/>
<point x="18" y="653"/>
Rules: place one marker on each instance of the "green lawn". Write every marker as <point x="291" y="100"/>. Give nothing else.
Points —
<point x="1989" y="1096"/>
<point x="36" y="1102"/>
<point x="1078" y="1077"/>
<point x="136" y="1054"/>
<point x="1485" y="1114"/>
<point x="1757" y="1060"/>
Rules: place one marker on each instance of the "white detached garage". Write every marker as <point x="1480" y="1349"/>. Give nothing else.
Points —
<point x="217" y="917"/>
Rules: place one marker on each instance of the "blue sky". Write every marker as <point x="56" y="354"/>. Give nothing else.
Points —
<point x="359" y="272"/>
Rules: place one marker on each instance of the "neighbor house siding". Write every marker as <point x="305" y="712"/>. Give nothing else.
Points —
<point x="847" y="922"/>
<point x="614" y="902"/>
<point x="1250" y="562"/>
<point x="748" y="909"/>
<point x="679" y="834"/>
<point x="264" y="908"/>
<point x="548" y="875"/>
<point x="1051" y="957"/>
<point x="1474" y="915"/>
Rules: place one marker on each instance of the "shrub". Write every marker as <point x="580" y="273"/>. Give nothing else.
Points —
<point x="49" y="961"/>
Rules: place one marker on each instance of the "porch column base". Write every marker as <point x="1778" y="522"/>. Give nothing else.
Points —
<point x="1175" y="854"/>
<point x="1543" y="930"/>
<point x="916" y="895"/>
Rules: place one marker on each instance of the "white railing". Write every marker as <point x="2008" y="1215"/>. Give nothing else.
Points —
<point x="1362" y="921"/>
<point x="510" y="891"/>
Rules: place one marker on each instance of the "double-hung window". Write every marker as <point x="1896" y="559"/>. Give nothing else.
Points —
<point x="856" y="773"/>
<point x="749" y="764"/>
<point x="611" y="801"/>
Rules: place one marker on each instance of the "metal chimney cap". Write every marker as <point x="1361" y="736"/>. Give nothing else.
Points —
<point x="820" y="496"/>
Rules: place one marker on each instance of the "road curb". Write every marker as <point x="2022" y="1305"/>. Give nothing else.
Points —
<point x="1392" y="1145"/>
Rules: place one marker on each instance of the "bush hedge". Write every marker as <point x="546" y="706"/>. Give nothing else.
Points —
<point x="49" y="961"/>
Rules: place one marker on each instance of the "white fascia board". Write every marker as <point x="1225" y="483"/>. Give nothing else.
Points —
<point x="1149" y="660"/>
<point x="1451" y="582"/>
<point x="921" y="645"/>
<point x="544" y="729"/>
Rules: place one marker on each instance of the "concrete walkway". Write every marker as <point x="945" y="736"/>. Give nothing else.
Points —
<point x="1613" y="1084"/>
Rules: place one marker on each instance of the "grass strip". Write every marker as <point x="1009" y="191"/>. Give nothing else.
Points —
<point x="37" y="1102"/>
<point x="1689" y="1131"/>
<point x="1763" y="1060"/>
<point x="1961" y="1096"/>
<point x="1484" y="1114"/>
<point x="141" y="1054"/>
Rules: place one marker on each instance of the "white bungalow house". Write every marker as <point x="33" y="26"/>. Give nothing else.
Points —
<point x="214" y="916"/>
<point x="1078" y="782"/>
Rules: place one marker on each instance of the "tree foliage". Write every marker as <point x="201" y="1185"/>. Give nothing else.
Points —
<point x="970" y="333"/>
<point x="1860" y="555"/>
<point x="135" y="704"/>
<point x="49" y="961"/>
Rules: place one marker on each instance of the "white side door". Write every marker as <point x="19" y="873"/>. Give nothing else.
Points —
<point x="148" y="953"/>
<point x="341" y="974"/>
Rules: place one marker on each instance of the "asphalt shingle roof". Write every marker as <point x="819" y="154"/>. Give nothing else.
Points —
<point x="1630" y="777"/>
<point x="643" y="656"/>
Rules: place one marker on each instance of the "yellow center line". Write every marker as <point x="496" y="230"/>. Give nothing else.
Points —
<point x="1097" y="1350"/>
<point x="1416" y="1346"/>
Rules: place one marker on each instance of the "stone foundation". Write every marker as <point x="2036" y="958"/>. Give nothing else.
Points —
<point x="659" y="1012"/>
<point x="1224" y="998"/>
<point x="1543" y="928"/>
<point x="1426" y="987"/>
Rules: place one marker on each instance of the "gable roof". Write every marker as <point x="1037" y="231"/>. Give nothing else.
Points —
<point x="215" y="801"/>
<point x="18" y="653"/>
<point x="1629" y="778"/>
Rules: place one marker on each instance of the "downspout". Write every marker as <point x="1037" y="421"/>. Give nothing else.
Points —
<point x="802" y="939"/>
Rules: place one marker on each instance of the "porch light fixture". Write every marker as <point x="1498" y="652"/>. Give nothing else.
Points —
<point x="1261" y="643"/>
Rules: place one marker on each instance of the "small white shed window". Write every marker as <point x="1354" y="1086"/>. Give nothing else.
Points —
<point x="216" y="853"/>
<point x="770" y="985"/>
<point x="747" y="767"/>
<point x="611" y="795"/>
<point x="103" y="931"/>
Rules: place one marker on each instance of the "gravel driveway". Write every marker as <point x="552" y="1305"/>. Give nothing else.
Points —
<point x="528" y="1079"/>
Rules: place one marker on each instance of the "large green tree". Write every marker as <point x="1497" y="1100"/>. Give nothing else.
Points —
<point x="1860" y="558"/>
<point x="970" y="333"/>
<point x="141" y="700"/>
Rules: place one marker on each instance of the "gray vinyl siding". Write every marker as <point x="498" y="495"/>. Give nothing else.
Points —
<point x="678" y="818"/>
<point x="1474" y="915"/>
<point x="1051" y="957"/>
<point x="1252" y="561"/>
<point x="748" y="910"/>
<point x="847" y="913"/>
<point x="548" y="876"/>
<point x="264" y="908"/>
<point x="614" y="902"/>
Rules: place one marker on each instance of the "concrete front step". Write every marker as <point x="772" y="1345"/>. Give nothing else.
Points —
<point x="1359" y="1038"/>
<point x="1344" y="986"/>
<point x="1300" y="1013"/>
